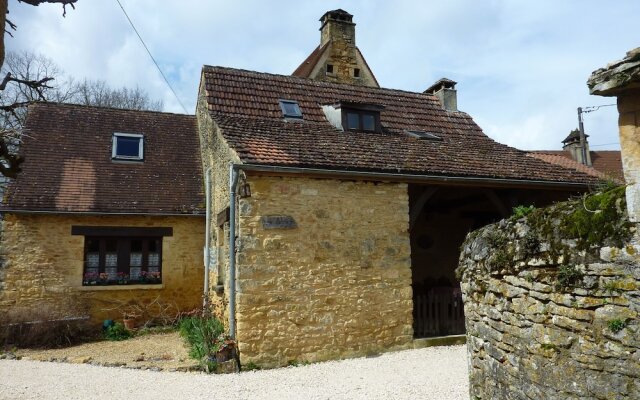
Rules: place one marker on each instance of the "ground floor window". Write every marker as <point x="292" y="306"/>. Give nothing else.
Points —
<point x="110" y="261"/>
<point x="122" y="256"/>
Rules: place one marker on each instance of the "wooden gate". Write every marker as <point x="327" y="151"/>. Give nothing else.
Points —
<point x="438" y="311"/>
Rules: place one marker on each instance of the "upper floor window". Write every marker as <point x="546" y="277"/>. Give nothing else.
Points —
<point x="290" y="109"/>
<point x="128" y="146"/>
<point x="329" y="69"/>
<point x="361" y="120"/>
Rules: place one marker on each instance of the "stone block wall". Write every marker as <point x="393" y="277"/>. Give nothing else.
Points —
<point x="629" y="129"/>
<point x="337" y="284"/>
<point x="550" y="316"/>
<point x="43" y="266"/>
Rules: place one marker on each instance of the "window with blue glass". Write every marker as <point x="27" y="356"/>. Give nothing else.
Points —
<point x="290" y="109"/>
<point x="128" y="146"/>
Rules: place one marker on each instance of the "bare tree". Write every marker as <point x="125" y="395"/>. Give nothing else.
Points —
<point x="31" y="67"/>
<point x="28" y="66"/>
<point x="98" y="93"/>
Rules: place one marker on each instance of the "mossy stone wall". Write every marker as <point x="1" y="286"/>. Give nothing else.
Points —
<point x="552" y="303"/>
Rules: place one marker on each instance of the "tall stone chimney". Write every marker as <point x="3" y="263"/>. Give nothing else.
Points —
<point x="337" y="58"/>
<point x="573" y="145"/>
<point x="445" y="90"/>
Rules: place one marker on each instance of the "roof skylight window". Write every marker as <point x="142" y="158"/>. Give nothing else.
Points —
<point x="127" y="146"/>
<point x="424" y="135"/>
<point x="290" y="109"/>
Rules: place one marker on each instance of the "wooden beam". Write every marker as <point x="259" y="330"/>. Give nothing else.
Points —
<point x="417" y="207"/>
<point x="497" y="202"/>
<point x="121" y="231"/>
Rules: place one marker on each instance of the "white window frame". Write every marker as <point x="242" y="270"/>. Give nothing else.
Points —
<point x="114" y="146"/>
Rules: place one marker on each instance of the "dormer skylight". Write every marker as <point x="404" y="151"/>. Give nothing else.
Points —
<point x="290" y="109"/>
<point x="423" y="135"/>
<point x="127" y="146"/>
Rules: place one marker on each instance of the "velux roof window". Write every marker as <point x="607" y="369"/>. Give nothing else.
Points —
<point x="290" y="109"/>
<point x="128" y="146"/>
<point x="424" y="135"/>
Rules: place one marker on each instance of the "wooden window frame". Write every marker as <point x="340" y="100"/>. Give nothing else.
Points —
<point x="123" y="237"/>
<point x="123" y="250"/>
<point x="361" y="113"/>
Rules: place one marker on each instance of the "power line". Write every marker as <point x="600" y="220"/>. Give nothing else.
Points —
<point x="603" y="144"/>
<point x="153" y="59"/>
<point x="595" y="108"/>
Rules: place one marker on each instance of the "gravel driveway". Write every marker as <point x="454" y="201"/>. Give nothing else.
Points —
<point x="430" y="373"/>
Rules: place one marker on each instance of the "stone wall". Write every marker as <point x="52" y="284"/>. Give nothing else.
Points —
<point x="337" y="284"/>
<point x="43" y="266"/>
<point x="552" y="302"/>
<point x="216" y="157"/>
<point x="629" y="129"/>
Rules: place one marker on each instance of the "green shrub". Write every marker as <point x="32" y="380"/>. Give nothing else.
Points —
<point x="568" y="276"/>
<point x="616" y="325"/>
<point x="521" y="211"/>
<point x="201" y="335"/>
<point x="117" y="332"/>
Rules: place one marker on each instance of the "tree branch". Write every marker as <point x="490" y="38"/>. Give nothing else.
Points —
<point x="9" y="162"/>
<point x="63" y="2"/>
<point x="35" y="85"/>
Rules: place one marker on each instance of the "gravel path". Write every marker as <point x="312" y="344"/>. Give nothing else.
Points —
<point x="429" y="373"/>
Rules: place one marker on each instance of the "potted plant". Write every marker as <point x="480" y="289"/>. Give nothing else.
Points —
<point x="225" y="348"/>
<point x="123" y="278"/>
<point x="129" y="321"/>
<point x="90" y="278"/>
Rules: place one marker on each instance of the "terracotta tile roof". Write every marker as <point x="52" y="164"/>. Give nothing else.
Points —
<point x="304" y="70"/>
<point x="68" y="166"/>
<point x="609" y="162"/>
<point x="606" y="163"/>
<point x="244" y="104"/>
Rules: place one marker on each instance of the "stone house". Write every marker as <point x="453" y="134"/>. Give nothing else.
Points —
<point x="332" y="214"/>
<point x="606" y="162"/>
<point x="339" y="206"/>
<point x="108" y="210"/>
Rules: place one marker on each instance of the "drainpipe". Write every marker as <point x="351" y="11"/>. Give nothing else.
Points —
<point x="207" y="239"/>
<point x="233" y="182"/>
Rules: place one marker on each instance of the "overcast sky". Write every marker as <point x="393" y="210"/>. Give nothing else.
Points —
<point x="521" y="66"/>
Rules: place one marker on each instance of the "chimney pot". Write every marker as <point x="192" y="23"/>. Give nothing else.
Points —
<point x="445" y="90"/>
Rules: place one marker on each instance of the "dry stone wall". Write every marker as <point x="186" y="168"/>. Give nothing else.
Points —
<point x="552" y="307"/>
<point x="323" y="270"/>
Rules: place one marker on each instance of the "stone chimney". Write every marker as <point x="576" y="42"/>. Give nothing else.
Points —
<point x="445" y="90"/>
<point x="337" y="58"/>
<point x="573" y="145"/>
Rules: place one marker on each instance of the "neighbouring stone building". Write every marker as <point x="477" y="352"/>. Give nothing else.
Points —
<point x="107" y="213"/>
<point x="552" y="298"/>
